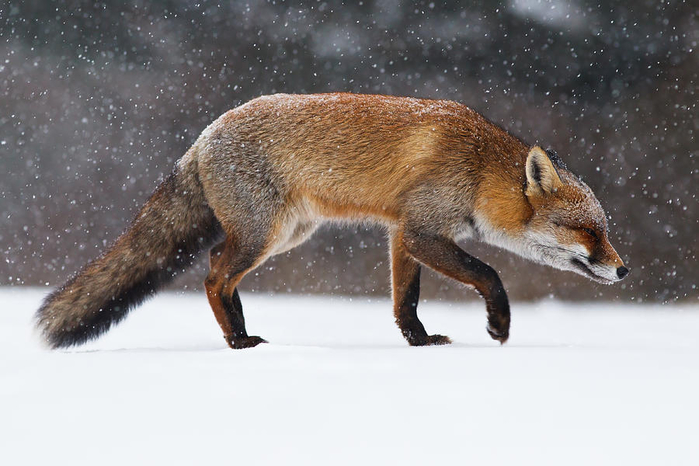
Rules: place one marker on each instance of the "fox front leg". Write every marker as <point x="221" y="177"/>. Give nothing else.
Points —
<point x="443" y="255"/>
<point x="405" y="282"/>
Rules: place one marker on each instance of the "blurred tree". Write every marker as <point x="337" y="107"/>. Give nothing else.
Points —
<point x="100" y="98"/>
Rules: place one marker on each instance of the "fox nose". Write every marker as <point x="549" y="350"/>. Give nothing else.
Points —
<point x="621" y="272"/>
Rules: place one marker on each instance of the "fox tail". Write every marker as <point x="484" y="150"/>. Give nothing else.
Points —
<point x="173" y="227"/>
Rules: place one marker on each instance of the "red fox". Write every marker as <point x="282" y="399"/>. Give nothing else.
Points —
<point x="262" y="177"/>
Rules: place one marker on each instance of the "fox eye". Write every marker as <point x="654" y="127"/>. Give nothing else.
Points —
<point x="590" y="232"/>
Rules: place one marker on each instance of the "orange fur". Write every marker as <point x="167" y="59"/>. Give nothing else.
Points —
<point x="266" y="174"/>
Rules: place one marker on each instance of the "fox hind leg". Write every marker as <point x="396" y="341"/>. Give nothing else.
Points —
<point x="229" y="262"/>
<point x="405" y="281"/>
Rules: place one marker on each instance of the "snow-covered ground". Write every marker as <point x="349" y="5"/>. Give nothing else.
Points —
<point x="577" y="384"/>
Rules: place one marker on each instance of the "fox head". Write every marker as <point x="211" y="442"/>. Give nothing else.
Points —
<point x="568" y="228"/>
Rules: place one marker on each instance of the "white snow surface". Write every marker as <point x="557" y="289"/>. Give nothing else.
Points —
<point x="602" y="384"/>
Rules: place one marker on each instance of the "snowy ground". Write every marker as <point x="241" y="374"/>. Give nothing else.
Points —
<point x="576" y="385"/>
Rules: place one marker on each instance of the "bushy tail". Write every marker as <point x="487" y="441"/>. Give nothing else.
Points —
<point x="170" y="230"/>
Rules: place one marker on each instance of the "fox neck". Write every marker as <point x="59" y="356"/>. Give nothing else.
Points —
<point x="502" y="212"/>
<point x="516" y="241"/>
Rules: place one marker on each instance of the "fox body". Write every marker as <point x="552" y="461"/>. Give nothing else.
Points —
<point x="261" y="178"/>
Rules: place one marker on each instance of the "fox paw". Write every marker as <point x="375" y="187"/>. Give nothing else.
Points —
<point x="430" y="340"/>
<point x="244" y="342"/>
<point x="499" y="335"/>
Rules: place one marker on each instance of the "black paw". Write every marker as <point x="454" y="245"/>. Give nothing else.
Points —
<point x="499" y="335"/>
<point x="430" y="340"/>
<point x="244" y="342"/>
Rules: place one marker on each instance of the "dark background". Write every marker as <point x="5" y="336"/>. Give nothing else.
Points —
<point x="100" y="99"/>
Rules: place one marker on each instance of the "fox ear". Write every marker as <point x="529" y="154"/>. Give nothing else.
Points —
<point x="542" y="177"/>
